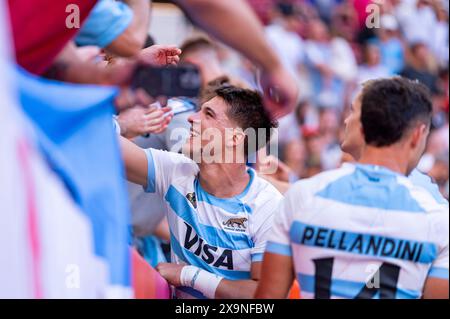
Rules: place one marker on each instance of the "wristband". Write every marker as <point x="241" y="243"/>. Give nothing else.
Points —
<point x="200" y="280"/>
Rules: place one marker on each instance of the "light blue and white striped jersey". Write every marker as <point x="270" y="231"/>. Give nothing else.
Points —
<point x="420" y="179"/>
<point x="362" y="231"/>
<point x="222" y="236"/>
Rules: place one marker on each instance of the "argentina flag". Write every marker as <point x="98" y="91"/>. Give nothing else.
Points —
<point x="75" y="134"/>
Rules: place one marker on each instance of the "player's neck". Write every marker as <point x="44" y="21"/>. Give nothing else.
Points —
<point x="224" y="180"/>
<point x="389" y="157"/>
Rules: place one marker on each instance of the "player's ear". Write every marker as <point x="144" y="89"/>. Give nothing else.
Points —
<point x="238" y="137"/>
<point x="419" y="135"/>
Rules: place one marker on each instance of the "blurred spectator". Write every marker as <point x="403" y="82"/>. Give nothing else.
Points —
<point x="343" y="60"/>
<point x="325" y="8"/>
<point x="313" y="147"/>
<point x="328" y="129"/>
<point x="418" y="20"/>
<point x="329" y="126"/>
<point x="344" y="21"/>
<point x="439" y="172"/>
<point x="318" y="56"/>
<point x="426" y="21"/>
<point x="438" y="141"/>
<point x="282" y="34"/>
<point x="331" y="52"/>
<point x="439" y="44"/>
<point x="371" y="67"/>
<point x="284" y="38"/>
<point x="418" y="66"/>
<point x="289" y="141"/>
<point x="330" y="63"/>
<point x="391" y="46"/>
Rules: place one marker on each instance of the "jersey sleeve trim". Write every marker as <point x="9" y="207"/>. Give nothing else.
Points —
<point x="279" y="249"/>
<point x="257" y="257"/>
<point x="438" y="272"/>
<point x="151" y="175"/>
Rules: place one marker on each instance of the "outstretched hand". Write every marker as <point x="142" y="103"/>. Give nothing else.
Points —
<point x="160" y="55"/>
<point x="280" y="91"/>
<point x="272" y="166"/>
<point x="141" y="120"/>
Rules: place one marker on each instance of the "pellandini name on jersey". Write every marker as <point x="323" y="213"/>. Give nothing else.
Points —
<point x="210" y="254"/>
<point x="365" y="244"/>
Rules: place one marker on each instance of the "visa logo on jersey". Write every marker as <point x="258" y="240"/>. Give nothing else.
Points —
<point x="212" y="255"/>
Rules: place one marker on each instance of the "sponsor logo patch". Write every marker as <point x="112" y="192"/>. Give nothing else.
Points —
<point x="192" y="199"/>
<point x="236" y="224"/>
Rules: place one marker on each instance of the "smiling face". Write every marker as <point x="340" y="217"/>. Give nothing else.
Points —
<point x="353" y="142"/>
<point x="230" y="125"/>
<point x="212" y="132"/>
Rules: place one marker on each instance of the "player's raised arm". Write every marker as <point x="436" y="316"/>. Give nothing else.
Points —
<point x="135" y="162"/>
<point x="280" y="90"/>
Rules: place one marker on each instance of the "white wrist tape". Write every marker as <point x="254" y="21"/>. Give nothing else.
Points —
<point x="200" y="280"/>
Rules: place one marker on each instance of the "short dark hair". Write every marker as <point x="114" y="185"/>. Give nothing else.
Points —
<point x="390" y="107"/>
<point x="247" y="110"/>
<point x="196" y="44"/>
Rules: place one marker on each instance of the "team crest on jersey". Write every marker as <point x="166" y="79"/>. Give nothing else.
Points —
<point x="192" y="199"/>
<point x="236" y="224"/>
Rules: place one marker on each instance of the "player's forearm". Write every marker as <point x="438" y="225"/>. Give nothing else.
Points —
<point x="436" y="288"/>
<point x="236" y="289"/>
<point x="212" y="286"/>
<point x="70" y="67"/>
<point x="279" y="269"/>
<point x="239" y="28"/>
<point x="132" y="40"/>
<point x="141" y="17"/>
<point x="267" y="290"/>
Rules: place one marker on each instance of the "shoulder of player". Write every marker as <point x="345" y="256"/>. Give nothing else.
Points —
<point x="171" y="157"/>
<point x="423" y="197"/>
<point x="263" y="197"/>
<point x="264" y="189"/>
<point x="424" y="181"/>
<point x="310" y="186"/>
<point x="173" y="166"/>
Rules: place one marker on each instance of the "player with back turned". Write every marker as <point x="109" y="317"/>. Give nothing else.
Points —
<point x="365" y="230"/>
